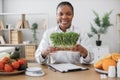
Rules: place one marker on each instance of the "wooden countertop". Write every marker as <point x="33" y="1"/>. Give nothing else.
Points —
<point x="90" y="74"/>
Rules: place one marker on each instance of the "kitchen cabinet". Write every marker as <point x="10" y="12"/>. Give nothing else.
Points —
<point x="99" y="52"/>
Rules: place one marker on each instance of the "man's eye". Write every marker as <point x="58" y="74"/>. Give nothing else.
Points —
<point x="60" y="14"/>
<point x="69" y="14"/>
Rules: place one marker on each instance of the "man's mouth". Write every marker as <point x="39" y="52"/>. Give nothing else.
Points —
<point x="64" y="22"/>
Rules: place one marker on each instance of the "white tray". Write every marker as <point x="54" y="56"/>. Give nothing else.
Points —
<point x="101" y="71"/>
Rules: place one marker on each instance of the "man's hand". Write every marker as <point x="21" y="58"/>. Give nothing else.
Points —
<point x="48" y="51"/>
<point x="81" y="49"/>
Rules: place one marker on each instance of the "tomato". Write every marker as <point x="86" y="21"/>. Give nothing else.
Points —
<point x="15" y="65"/>
<point x="22" y="61"/>
<point x="1" y="65"/>
<point x="5" y="60"/>
<point x="8" y="68"/>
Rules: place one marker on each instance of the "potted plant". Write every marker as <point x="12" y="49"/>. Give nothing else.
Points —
<point x="100" y="26"/>
<point x="33" y="28"/>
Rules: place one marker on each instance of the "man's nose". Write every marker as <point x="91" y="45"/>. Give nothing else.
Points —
<point x="64" y="16"/>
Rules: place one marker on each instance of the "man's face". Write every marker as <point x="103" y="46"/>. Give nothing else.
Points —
<point x="64" y="16"/>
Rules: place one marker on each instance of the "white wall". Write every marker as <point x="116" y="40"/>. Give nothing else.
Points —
<point x="0" y="6"/>
<point x="0" y="10"/>
<point x="83" y="14"/>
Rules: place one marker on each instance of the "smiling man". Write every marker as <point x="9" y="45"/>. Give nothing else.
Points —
<point x="47" y="53"/>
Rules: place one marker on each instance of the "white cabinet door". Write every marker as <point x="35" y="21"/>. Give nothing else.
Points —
<point x="99" y="52"/>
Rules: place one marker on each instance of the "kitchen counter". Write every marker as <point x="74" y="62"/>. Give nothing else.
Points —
<point x="90" y="74"/>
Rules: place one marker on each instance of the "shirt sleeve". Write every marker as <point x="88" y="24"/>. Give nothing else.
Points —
<point x="88" y="59"/>
<point x="85" y="42"/>
<point x="43" y="45"/>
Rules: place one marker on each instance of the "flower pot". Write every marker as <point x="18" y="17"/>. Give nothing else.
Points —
<point x="98" y="42"/>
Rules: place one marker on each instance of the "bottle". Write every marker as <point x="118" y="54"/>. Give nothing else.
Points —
<point x="15" y="54"/>
<point x="118" y="68"/>
<point x="111" y="71"/>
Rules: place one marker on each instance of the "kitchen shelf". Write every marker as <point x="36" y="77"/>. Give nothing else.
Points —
<point x="10" y="22"/>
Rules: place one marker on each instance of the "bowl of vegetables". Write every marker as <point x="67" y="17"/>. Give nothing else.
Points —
<point x="64" y="40"/>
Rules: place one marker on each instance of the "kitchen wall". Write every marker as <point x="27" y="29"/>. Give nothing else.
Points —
<point x="0" y="6"/>
<point x="0" y="10"/>
<point x="83" y="14"/>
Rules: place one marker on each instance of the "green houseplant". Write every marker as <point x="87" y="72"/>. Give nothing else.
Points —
<point x="33" y="28"/>
<point x="100" y="26"/>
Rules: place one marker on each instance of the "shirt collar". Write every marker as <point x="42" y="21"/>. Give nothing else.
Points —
<point x="68" y="30"/>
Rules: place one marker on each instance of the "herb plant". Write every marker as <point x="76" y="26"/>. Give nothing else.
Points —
<point x="64" y="39"/>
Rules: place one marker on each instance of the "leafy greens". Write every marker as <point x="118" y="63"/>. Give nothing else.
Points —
<point x="64" y="39"/>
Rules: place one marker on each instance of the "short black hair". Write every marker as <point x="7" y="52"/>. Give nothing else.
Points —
<point x="65" y="3"/>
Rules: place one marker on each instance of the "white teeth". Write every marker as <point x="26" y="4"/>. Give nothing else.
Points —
<point x="64" y="22"/>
